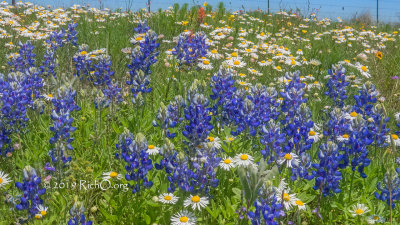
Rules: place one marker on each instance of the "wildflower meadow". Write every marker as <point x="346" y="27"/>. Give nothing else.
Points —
<point x="197" y="115"/>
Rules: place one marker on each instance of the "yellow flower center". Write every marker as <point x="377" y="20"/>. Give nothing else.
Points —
<point x="299" y="203"/>
<point x="83" y="52"/>
<point x="236" y="63"/>
<point x="196" y="198"/>
<point x="227" y="161"/>
<point x="263" y="61"/>
<point x="206" y="62"/>
<point x="38" y="217"/>
<point x="395" y="137"/>
<point x="167" y="197"/>
<point x="151" y="146"/>
<point x="184" y="219"/>
<point x="139" y="38"/>
<point x="262" y="34"/>
<point x="364" y="68"/>
<point x="211" y="139"/>
<point x="113" y="174"/>
<point x="234" y="54"/>
<point x="1" y="180"/>
<point x="244" y="157"/>
<point x="254" y="71"/>
<point x="92" y="56"/>
<point x="353" y="114"/>
<point x="214" y="51"/>
<point x="278" y="68"/>
<point x="376" y="217"/>
<point x="50" y="95"/>
<point x="359" y="211"/>
<point x="345" y="136"/>
<point x="288" y="156"/>
<point x="43" y="213"/>
<point x="286" y="197"/>
<point x="293" y="62"/>
<point x="311" y="133"/>
<point x="230" y="139"/>
<point x="220" y="34"/>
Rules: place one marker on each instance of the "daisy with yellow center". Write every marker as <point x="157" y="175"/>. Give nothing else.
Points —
<point x="359" y="210"/>
<point x="236" y="62"/>
<point x="205" y="64"/>
<point x="244" y="160"/>
<point x="291" y="159"/>
<point x="48" y="97"/>
<point x="300" y="204"/>
<point x="351" y="116"/>
<point x="344" y="137"/>
<point x="254" y="72"/>
<point x="168" y="198"/>
<point x="4" y="180"/>
<point x="278" y="68"/>
<point x="196" y="202"/>
<point x="152" y="150"/>
<point x="226" y="164"/>
<point x="374" y="219"/>
<point x="229" y="139"/>
<point x="183" y="218"/>
<point x="282" y="195"/>
<point x="393" y="137"/>
<point x="313" y="135"/>
<point x="111" y="175"/>
<point x="214" y="54"/>
<point x="41" y="212"/>
<point x="215" y="142"/>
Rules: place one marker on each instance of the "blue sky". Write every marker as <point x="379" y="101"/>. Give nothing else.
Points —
<point x="389" y="9"/>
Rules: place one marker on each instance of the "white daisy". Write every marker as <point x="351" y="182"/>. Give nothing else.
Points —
<point x="216" y="142"/>
<point x="393" y="137"/>
<point x="363" y="70"/>
<point x="152" y="150"/>
<point x="300" y="204"/>
<point x="262" y="36"/>
<point x="214" y="54"/>
<point x="242" y="83"/>
<point x="344" y="137"/>
<point x="312" y="134"/>
<point x="226" y="163"/>
<point x="359" y="210"/>
<point x="219" y="36"/>
<point x="48" y="97"/>
<point x="4" y="180"/>
<point x="42" y="211"/>
<point x="254" y="72"/>
<point x="351" y="116"/>
<point x="229" y="139"/>
<point x="138" y="38"/>
<point x="196" y="202"/>
<point x="288" y="200"/>
<point x="183" y="218"/>
<point x="168" y="198"/>
<point x="236" y="62"/>
<point x="112" y="175"/>
<point x="291" y="159"/>
<point x="375" y="219"/>
<point x="205" y="64"/>
<point x="244" y="160"/>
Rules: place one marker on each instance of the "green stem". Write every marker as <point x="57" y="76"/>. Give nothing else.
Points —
<point x="351" y="185"/>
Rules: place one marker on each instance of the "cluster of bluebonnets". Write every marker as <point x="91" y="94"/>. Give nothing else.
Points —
<point x="281" y="118"/>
